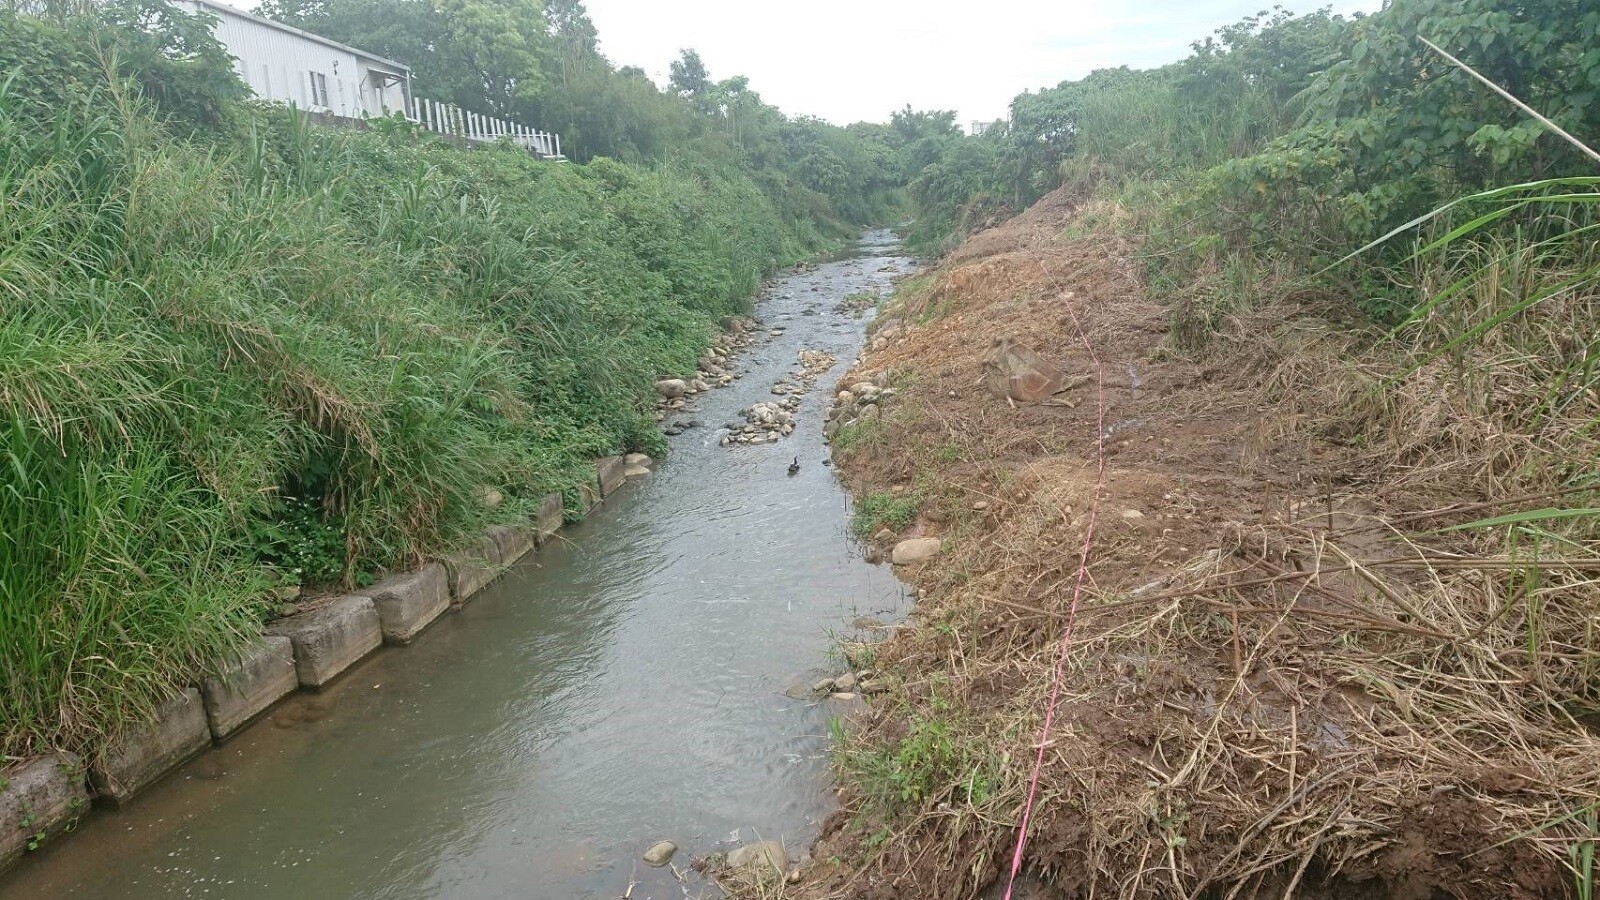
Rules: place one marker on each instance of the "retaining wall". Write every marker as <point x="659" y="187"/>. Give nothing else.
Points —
<point x="42" y="797"/>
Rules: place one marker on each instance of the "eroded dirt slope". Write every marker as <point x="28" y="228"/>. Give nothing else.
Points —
<point x="1275" y="685"/>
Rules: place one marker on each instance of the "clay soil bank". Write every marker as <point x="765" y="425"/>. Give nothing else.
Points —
<point x="1281" y="680"/>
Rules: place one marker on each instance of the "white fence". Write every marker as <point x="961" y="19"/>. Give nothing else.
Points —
<point x="453" y="121"/>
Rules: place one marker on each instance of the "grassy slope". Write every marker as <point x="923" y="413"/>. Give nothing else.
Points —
<point x="298" y="355"/>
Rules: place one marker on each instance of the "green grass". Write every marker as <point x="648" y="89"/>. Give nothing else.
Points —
<point x="882" y="509"/>
<point x="272" y="354"/>
<point x="937" y="759"/>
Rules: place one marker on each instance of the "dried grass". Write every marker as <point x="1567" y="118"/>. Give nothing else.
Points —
<point x="1286" y="679"/>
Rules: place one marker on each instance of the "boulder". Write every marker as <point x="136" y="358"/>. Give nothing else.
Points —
<point x="409" y="602"/>
<point x="1013" y="370"/>
<point x="659" y="854"/>
<point x="760" y="856"/>
<point x="845" y="683"/>
<point x="638" y="459"/>
<point x="332" y="639"/>
<point x="915" y="550"/>
<point x="39" y="798"/>
<point x="142" y="755"/>
<point x="672" y="388"/>
<point x="263" y="675"/>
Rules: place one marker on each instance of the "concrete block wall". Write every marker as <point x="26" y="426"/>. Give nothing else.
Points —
<point x="41" y="797"/>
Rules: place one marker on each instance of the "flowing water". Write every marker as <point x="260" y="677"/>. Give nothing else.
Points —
<point x="623" y="686"/>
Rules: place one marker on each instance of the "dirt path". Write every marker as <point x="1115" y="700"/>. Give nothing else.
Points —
<point x="1270" y="691"/>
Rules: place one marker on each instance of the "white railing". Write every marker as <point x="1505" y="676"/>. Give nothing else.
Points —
<point x="453" y="121"/>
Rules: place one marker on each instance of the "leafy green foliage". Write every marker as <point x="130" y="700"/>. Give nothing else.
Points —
<point x="1392" y="130"/>
<point x="937" y="759"/>
<point x="542" y="64"/>
<point x="302" y="542"/>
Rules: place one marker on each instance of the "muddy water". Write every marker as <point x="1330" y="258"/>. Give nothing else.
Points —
<point x="622" y="687"/>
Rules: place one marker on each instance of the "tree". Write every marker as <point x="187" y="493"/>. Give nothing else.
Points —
<point x="689" y="77"/>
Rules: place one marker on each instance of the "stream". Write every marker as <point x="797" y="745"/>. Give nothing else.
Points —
<point x="623" y="686"/>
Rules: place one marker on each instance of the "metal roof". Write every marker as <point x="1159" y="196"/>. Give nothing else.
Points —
<point x="235" y="11"/>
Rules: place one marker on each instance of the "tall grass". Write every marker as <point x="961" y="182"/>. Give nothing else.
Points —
<point x="197" y="335"/>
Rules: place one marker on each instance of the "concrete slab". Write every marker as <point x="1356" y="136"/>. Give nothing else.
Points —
<point x="409" y="602"/>
<point x="588" y="497"/>
<point x="612" y="474"/>
<point x="549" y="519"/>
<point x="261" y="677"/>
<point x="331" y="639"/>
<point x="145" y="754"/>
<point x="472" y="570"/>
<point x="39" y="799"/>
<point x="510" y="544"/>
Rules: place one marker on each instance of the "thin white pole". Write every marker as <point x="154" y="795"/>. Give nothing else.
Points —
<point x="1518" y="103"/>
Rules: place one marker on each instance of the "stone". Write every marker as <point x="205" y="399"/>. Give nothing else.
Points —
<point x="612" y="474"/>
<point x="510" y="544"/>
<point x="490" y="498"/>
<point x="638" y="459"/>
<point x="263" y="675"/>
<point x="588" y="498"/>
<point x="409" y="602"/>
<point x="872" y="686"/>
<point x="143" y="754"/>
<point x="824" y="686"/>
<point x="40" y="798"/>
<point x="699" y="385"/>
<point x="883" y="534"/>
<point x="843" y="697"/>
<point x="671" y="388"/>
<point x="1013" y="370"/>
<point x="547" y="521"/>
<point x="1132" y="515"/>
<point x="845" y="683"/>
<point x="636" y="472"/>
<point x="760" y="856"/>
<point x="866" y="622"/>
<point x="659" y="854"/>
<point x="332" y="639"/>
<point x="980" y="506"/>
<point x="915" y="550"/>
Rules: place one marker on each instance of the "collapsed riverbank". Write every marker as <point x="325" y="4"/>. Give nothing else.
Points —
<point x="1282" y="676"/>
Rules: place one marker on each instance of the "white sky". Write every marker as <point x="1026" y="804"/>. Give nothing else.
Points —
<point x="853" y="60"/>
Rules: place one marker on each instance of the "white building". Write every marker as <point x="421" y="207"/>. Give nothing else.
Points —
<point x="284" y="64"/>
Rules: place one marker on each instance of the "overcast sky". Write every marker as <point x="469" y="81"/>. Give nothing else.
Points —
<point x="853" y="60"/>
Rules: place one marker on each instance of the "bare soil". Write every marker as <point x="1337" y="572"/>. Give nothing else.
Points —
<point x="1276" y="685"/>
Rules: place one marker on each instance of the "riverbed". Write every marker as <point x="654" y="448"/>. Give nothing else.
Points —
<point x="623" y="686"/>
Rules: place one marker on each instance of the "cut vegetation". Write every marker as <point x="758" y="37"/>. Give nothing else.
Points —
<point x="1338" y="636"/>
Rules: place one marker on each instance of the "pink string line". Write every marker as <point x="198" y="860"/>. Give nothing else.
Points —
<point x="1077" y="594"/>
